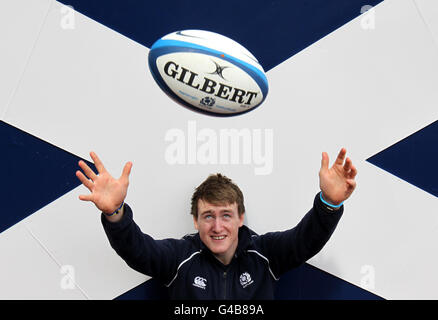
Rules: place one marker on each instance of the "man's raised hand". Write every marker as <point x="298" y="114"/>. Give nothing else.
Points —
<point x="107" y="193"/>
<point x="337" y="183"/>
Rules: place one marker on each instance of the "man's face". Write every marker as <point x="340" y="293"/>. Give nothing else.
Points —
<point x="218" y="228"/>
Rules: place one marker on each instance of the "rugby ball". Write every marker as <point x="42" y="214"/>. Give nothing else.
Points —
<point x="208" y="72"/>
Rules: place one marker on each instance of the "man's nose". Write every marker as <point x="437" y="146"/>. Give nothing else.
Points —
<point x="217" y="225"/>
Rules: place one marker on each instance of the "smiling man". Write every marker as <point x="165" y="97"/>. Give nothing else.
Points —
<point x="218" y="211"/>
<point x="224" y="259"/>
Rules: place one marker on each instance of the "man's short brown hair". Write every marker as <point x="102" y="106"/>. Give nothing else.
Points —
<point x="217" y="189"/>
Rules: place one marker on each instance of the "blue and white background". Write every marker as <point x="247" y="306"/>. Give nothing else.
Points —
<point x="343" y="73"/>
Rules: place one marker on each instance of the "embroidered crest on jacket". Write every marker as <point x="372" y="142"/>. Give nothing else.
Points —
<point x="245" y="279"/>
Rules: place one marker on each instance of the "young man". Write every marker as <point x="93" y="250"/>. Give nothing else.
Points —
<point x="225" y="259"/>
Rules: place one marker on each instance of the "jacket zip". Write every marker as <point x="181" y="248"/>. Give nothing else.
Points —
<point x="225" y="284"/>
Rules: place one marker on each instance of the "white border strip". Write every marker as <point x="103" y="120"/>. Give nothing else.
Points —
<point x="272" y="274"/>
<point x="176" y="275"/>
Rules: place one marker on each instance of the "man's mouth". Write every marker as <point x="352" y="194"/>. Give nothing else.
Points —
<point x="218" y="237"/>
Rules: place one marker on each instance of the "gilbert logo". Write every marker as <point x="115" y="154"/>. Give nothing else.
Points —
<point x="209" y="86"/>
<point x="245" y="279"/>
<point x="199" y="282"/>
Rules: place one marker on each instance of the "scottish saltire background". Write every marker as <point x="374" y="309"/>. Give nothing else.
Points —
<point x="344" y="73"/>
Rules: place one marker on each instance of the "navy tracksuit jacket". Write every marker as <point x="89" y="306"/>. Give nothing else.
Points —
<point x="190" y="271"/>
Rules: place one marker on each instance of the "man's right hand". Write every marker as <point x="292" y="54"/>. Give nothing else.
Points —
<point x="107" y="193"/>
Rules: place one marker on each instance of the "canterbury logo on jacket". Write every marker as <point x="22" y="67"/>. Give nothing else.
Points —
<point x="190" y="271"/>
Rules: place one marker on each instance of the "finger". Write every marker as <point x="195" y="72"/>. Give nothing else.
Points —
<point x="353" y="172"/>
<point x="126" y="171"/>
<point x="87" y="170"/>
<point x="324" y="161"/>
<point x="341" y="156"/>
<point x="86" y="197"/>
<point x="87" y="183"/>
<point x="97" y="162"/>
<point x="351" y="184"/>
<point x="347" y="165"/>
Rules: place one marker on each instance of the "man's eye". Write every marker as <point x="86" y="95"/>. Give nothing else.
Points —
<point x="227" y="216"/>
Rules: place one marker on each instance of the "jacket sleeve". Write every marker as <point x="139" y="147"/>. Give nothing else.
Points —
<point x="155" y="258"/>
<point x="289" y="249"/>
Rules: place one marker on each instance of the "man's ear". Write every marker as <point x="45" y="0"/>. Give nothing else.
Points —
<point x="241" y="218"/>
<point x="195" y="222"/>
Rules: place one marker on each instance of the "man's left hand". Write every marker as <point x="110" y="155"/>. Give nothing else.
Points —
<point x="337" y="183"/>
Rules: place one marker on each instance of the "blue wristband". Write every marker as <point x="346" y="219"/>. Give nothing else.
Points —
<point x="329" y="204"/>
<point x="115" y="212"/>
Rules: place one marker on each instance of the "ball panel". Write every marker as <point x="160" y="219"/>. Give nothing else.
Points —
<point x="197" y="77"/>
<point x="216" y="42"/>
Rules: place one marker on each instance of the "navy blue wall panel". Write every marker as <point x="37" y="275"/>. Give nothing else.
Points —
<point x="413" y="159"/>
<point x="272" y="30"/>
<point x="35" y="173"/>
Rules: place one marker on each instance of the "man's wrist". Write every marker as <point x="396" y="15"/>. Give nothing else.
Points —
<point x="117" y="220"/>
<point x="328" y="205"/>
<point x="115" y="215"/>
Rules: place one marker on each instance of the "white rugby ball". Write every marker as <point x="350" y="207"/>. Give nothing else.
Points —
<point x="208" y="72"/>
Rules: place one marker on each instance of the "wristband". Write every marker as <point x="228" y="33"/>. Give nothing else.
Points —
<point x="329" y="204"/>
<point x="115" y="212"/>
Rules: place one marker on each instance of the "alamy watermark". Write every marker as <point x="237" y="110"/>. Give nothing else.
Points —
<point x="67" y="18"/>
<point x="245" y="146"/>
<point x="68" y="280"/>
<point x="368" y="280"/>
<point x="368" y="20"/>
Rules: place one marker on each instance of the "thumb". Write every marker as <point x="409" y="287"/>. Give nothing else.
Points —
<point x="324" y="161"/>
<point x="126" y="171"/>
